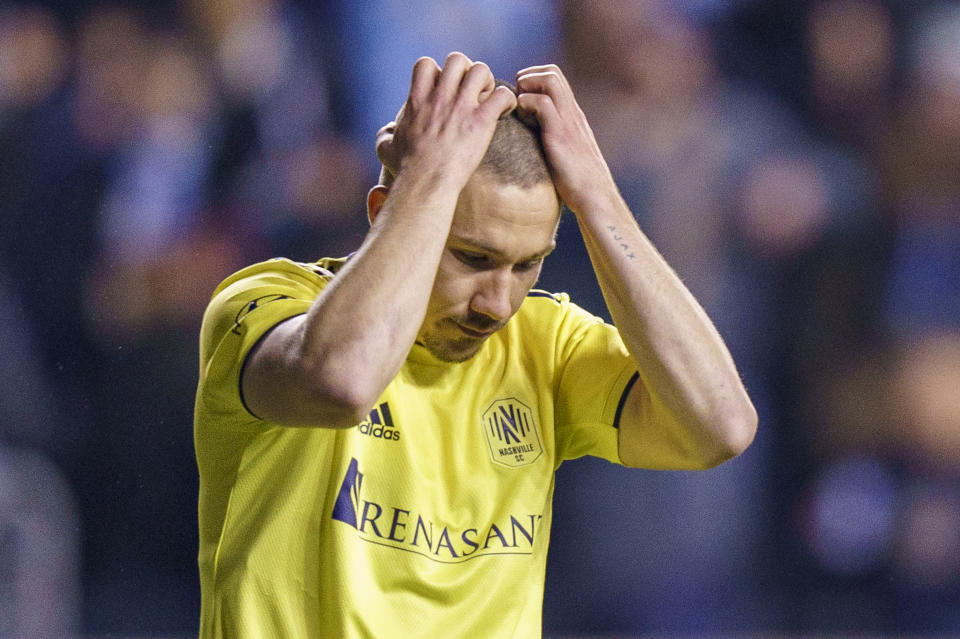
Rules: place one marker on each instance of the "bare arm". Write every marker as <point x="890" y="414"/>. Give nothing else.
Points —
<point x="690" y="409"/>
<point x="328" y="367"/>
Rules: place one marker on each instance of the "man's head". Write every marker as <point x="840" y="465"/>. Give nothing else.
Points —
<point x="499" y="237"/>
<point x="504" y="224"/>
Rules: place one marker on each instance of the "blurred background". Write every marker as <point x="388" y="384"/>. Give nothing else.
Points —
<point x="798" y="163"/>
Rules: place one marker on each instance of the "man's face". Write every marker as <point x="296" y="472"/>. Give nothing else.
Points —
<point x="499" y="237"/>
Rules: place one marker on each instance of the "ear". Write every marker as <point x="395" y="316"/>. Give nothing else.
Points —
<point x="375" y="199"/>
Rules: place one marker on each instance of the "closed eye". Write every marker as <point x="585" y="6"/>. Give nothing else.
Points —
<point x="473" y="260"/>
<point x="483" y="261"/>
<point x="528" y="265"/>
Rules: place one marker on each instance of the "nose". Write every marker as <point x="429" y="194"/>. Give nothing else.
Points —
<point x="492" y="297"/>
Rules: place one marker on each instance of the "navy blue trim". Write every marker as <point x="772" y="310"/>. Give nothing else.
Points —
<point x="543" y="294"/>
<point x="623" y="398"/>
<point x="246" y="359"/>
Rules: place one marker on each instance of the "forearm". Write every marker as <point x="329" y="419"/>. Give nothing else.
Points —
<point x="327" y="367"/>
<point x="691" y="410"/>
<point x="364" y="323"/>
<point x="684" y="365"/>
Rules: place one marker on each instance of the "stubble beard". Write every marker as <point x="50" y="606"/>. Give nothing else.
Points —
<point x="450" y="350"/>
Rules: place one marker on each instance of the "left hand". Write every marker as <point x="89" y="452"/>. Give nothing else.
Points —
<point x="580" y="173"/>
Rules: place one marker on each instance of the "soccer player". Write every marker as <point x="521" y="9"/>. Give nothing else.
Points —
<point x="377" y="436"/>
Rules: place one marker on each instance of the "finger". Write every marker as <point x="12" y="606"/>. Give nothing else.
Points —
<point x="386" y="132"/>
<point x="389" y="127"/>
<point x="454" y="68"/>
<point x="423" y="80"/>
<point x="549" y="81"/>
<point x="386" y="159"/>
<point x="547" y="69"/>
<point x="385" y="149"/>
<point x="501" y="101"/>
<point x="478" y="81"/>
<point x="539" y="105"/>
<point x="540" y="68"/>
<point x="543" y="79"/>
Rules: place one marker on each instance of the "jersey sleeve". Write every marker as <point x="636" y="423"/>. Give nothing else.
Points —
<point x="595" y="374"/>
<point x="242" y="311"/>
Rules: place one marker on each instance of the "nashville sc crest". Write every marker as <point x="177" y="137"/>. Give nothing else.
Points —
<point x="511" y="431"/>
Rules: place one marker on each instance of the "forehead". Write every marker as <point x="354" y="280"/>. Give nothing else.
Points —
<point x="514" y="221"/>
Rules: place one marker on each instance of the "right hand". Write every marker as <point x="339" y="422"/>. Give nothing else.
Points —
<point x="447" y="122"/>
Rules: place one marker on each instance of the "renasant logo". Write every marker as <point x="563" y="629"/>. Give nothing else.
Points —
<point x="411" y="531"/>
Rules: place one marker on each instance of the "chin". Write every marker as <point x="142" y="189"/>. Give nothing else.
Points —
<point x="453" y="352"/>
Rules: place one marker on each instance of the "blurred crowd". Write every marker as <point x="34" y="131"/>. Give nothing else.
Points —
<point x="798" y="163"/>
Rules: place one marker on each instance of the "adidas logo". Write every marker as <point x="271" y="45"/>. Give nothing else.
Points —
<point x="379" y="424"/>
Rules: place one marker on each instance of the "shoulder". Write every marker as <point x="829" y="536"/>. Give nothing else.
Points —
<point x="556" y="298"/>
<point x="279" y="272"/>
<point x="542" y="308"/>
<point x="553" y="317"/>
<point x="268" y="291"/>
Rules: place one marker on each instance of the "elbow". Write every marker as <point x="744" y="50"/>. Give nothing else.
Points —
<point x="336" y="412"/>
<point x="285" y="383"/>
<point x="342" y="402"/>
<point x="346" y="379"/>
<point x="345" y="386"/>
<point x="736" y="430"/>
<point x="741" y="432"/>
<point x="316" y="395"/>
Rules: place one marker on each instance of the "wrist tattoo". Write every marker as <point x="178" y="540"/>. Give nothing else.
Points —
<point x="619" y="238"/>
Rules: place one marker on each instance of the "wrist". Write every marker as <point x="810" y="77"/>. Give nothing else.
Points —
<point x="426" y="186"/>
<point x="597" y="201"/>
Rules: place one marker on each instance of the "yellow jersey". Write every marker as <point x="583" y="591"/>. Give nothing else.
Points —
<point x="431" y="517"/>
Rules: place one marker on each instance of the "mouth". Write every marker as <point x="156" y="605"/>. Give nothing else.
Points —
<point x="474" y="333"/>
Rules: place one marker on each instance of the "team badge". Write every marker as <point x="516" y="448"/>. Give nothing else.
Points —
<point x="511" y="432"/>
